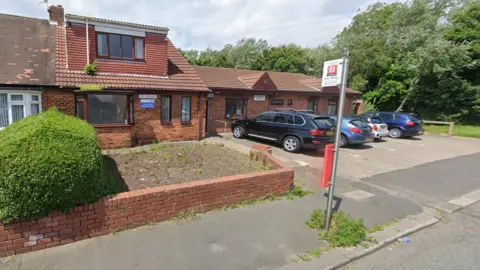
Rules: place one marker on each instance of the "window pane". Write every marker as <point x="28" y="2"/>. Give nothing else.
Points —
<point x="80" y="110"/>
<point x="281" y="118"/>
<point x="3" y="111"/>
<point x="230" y="108"/>
<point x="107" y="109"/>
<point x="114" y="45"/>
<point x="16" y="97"/>
<point x="266" y="117"/>
<point x="299" y="120"/>
<point x="34" y="109"/>
<point x="34" y="98"/>
<point x="17" y="113"/>
<point x="186" y="101"/>
<point x="324" y="122"/>
<point x="102" y="44"/>
<point x="139" y="49"/>
<point x="127" y="47"/>
<point x="276" y="102"/>
<point x="166" y="109"/>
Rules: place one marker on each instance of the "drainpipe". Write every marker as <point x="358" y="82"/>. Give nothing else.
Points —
<point x="88" y="45"/>
<point x="199" y="116"/>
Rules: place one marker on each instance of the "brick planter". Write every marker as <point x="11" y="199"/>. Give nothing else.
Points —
<point x="136" y="208"/>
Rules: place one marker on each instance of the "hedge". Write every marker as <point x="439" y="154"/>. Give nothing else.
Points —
<point x="49" y="161"/>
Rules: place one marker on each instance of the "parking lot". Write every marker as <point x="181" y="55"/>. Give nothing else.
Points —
<point x="357" y="162"/>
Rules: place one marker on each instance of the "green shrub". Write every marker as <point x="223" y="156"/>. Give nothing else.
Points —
<point x="49" y="161"/>
<point x="344" y="230"/>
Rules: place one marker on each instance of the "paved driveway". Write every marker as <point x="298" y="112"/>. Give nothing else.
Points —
<point x="378" y="157"/>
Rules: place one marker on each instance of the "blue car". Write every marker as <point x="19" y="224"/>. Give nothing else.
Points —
<point x="354" y="131"/>
<point x="400" y="124"/>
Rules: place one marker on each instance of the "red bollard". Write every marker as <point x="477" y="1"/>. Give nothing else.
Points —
<point x="327" y="165"/>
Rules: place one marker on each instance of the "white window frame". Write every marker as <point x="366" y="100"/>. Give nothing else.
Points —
<point x="26" y="103"/>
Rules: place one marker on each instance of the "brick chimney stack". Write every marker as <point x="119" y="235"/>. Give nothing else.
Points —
<point x="57" y="14"/>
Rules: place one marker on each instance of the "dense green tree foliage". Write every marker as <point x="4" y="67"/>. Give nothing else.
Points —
<point x="420" y="56"/>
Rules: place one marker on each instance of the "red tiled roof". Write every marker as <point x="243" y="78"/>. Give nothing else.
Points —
<point x="181" y="75"/>
<point x="216" y="77"/>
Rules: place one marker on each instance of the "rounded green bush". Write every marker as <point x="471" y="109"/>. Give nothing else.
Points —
<point x="49" y="161"/>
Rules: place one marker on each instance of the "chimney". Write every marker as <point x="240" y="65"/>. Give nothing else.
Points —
<point x="57" y="14"/>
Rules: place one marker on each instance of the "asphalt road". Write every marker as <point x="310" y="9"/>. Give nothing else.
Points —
<point x="451" y="244"/>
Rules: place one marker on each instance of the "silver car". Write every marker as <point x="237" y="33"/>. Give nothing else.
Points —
<point x="379" y="128"/>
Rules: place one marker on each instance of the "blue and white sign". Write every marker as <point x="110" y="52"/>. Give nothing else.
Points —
<point x="146" y="103"/>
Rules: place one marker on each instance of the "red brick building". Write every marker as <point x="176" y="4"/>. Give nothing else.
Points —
<point x="149" y="91"/>
<point x="239" y="93"/>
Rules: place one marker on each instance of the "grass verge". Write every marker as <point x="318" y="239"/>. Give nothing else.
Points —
<point x="459" y="130"/>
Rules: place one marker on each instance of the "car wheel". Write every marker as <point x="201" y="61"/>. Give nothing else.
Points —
<point x="291" y="144"/>
<point x="238" y="132"/>
<point x="396" y="133"/>
<point x="343" y="141"/>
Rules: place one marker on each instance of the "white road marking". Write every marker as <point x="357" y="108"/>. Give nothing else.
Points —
<point x="358" y="195"/>
<point x="381" y="147"/>
<point x="303" y="163"/>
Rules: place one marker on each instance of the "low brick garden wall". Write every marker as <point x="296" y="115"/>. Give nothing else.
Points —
<point x="136" y="208"/>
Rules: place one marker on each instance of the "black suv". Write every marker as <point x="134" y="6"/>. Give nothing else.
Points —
<point x="293" y="129"/>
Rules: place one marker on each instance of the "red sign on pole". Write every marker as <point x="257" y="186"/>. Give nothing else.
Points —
<point x="327" y="165"/>
<point x="332" y="70"/>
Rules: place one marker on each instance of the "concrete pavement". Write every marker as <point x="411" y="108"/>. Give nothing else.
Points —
<point x="266" y="236"/>
<point x="451" y="244"/>
<point x="433" y="183"/>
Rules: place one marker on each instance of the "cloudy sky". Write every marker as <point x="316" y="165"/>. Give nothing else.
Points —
<point x="198" y="24"/>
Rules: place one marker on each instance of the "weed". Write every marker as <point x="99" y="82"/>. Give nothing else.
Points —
<point x="115" y="231"/>
<point x="315" y="252"/>
<point x="380" y="228"/>
<point x="271" y="197"/>
<point x="158" y="146"/>
<point x="297" y="192"/>
<point x="168" y="157"/>
<point x="304" y="257"/>
<point x="188" y="214"/>
<point x="8" y="259"/>
<point x="344" y="230"/>
<point x="295" y="260"/>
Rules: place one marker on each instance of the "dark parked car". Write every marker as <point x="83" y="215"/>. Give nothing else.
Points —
<point x="293" y="129"/>
<point x="400" y="124"/>
<point x="354" y="131"/>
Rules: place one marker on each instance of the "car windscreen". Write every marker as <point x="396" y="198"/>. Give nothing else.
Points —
<point x="358" y="123"/>
<point x="322" y="122"/>
<point x="376" y="120"/>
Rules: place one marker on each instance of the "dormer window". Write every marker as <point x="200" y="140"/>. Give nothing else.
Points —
<point x="117" y="46"/>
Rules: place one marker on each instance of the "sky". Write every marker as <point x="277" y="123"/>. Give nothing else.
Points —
<point x="199" y="24"/>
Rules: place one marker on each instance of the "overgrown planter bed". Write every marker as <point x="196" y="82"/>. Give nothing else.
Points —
<point x="135" y="208"/>
<point x="174" y="164"/>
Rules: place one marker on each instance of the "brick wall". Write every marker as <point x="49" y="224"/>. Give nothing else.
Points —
<point x="136" y="208"/>
<point x="64" y="100"/>
<point x="156" y="61"/>
<point x="148" y="126"/>
<point x="114" y="137"/>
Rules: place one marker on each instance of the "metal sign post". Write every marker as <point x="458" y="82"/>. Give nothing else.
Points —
<point x="341" y="105"/>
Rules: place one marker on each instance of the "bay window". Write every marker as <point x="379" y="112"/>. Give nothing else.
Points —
<point x="120" y="46"/>
<point x="236" y="108"/>
<point x="105" y="109"/>
<point x="15" y="106"/>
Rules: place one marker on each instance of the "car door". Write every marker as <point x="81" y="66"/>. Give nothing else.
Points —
<point x="261" y="125"/>
<point x="280" y="126"/>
